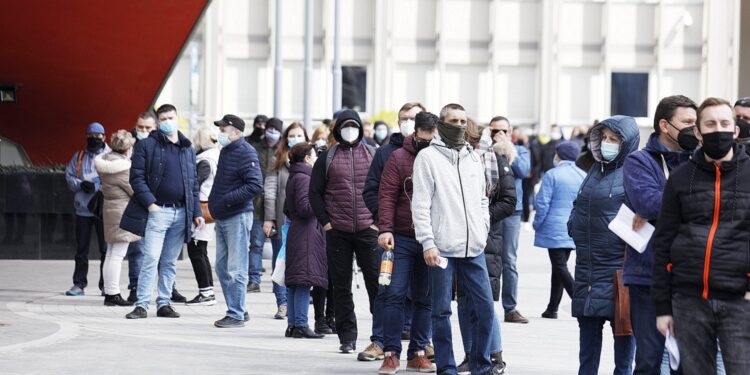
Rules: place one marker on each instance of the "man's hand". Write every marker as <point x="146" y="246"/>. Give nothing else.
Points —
<point x="267" y="227"/>
<point x="199" y="223"/>
<point x="638" y="222"/>
<point x="385" y="241"/>
<point x="431" y="257"/>
<point x="665" y="323"/>
<point x="153" y="208"/>
<point x="88" y="187"/>
<point x="747" y="296"/>
<point x="328" y="227"/>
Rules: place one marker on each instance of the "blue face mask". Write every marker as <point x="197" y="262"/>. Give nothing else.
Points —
<point x="380" y="134"/>
<point x="273" y="135"/>
<point x="223" y="139"/>
<point x="293" y="141"/>
<point x="141" y="135"/>
<point x="168" y="126"/>
<point x="610" y="150"/>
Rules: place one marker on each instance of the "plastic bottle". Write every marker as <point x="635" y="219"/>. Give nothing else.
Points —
<point x="386" y="267"/>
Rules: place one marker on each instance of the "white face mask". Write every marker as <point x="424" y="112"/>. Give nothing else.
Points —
<point x="320" y="142"/>
<point x="142" y="135"/>
<point x="407" y="127"/>
<point x="350" y="134"/>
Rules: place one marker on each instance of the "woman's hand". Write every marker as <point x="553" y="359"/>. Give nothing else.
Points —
<point x="267" y="227"/>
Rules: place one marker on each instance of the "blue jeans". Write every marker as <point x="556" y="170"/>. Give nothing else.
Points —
<point x="590" y="347"/>
<point x="472" y="274"/>
<point x="409" y="271"/>
<point x="649" y="342"/>
<point x="279" y="291"/>
<point x="257" y="240"/>
<point x="135" y="259"/>
<point x="511" y="230"/>
<point x="165" y="235"/>
<point x="299" y="304"/>
<point x="232" y="238"/>
<point x="466" y="320"/>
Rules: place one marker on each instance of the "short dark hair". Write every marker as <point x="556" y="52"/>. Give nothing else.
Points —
<point x="148" y="115"/>
<point x="667" y="107"/>
<point x="448" y="107"/>
<point x="164" y="108"/>
<point x="298" y="153"/>
<point x="743" y="102"/>
<point x="500" y="118"/>
<point x="711" y="102"/>
<point x="408" y="106"/>
<point x="425" y="120"/>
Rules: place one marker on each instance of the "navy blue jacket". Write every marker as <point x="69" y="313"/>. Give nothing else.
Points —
<point x="644" y="184"/>
<point x="599" y="251"/>
<point x="372" y="184"/>
<point x="238" y="180"/>
<point x="145" y="175"/>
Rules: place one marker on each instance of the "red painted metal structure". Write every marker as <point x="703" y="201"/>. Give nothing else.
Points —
<point x="79" y="61"/>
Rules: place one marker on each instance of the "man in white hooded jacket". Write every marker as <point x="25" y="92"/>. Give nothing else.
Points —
<point x="451" y="221"/>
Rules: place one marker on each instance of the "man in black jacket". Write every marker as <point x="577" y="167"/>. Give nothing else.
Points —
<point x="701" y="279"/>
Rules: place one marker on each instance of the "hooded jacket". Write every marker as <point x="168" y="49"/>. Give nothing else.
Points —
<point x="702" y="243"/>
<point x="644" y="180"/>
<point x="553" y="205"/>
<point x="372" y="184"/>
<point x="114" y="169"/>
<point x="336" y="189"/>
<point x="599" y="251"/>
<point x="146" y="174"/>
<point x="450" y="206"/>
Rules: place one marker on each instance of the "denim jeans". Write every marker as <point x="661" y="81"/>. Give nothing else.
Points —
<point x="511" y="230"/>
<point x="135" y="259"/>
<point x="472" y="274"/>
<point x="590" y="347"/>
<point x="162" y="244"/>
<point x="279" y="291"/>
<point x="699" y="323"/>
<point x="232" y="238"/>
<point x="84" y="224"/>
<point x="466" y="320"/>
<point x="409" y="271"/>
<point x="649" y="342"/>
<point x="257" y="240"/>
<point x="299" y="305"/>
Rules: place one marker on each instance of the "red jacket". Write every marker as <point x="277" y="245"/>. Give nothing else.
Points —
<point x="396" y="191"/>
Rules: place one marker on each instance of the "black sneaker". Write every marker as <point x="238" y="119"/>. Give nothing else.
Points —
<point x="133" y="296"/>
<point x="497" y="369"/>
<point x="253" y="288"/>
<point x="137" y="313"/>
<point x="321" y="326"/>
<point x="331" y="323"/>
<point x="289" y="331"/>
<point x="201" y="300"/>
<point x="229" y="322"/>
<point x="405" y="335"/>
<point x="167" y="312"/>
<point x="464" y="368"/>
<point x="246" y="317"/>
<point x="115" y="300"/>
<point x="347" y="347"/>
<point x="177" y="297"/>
<point x="549" y="314"/>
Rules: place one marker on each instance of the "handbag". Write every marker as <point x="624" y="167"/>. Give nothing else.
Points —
<point x="623" y="326"/>
<point x="279" y="271"/>
<point x="96" y="205"/>
<point x="206" y="213"/>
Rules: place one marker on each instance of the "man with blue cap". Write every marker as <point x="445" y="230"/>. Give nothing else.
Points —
<point x="83" y="180"/>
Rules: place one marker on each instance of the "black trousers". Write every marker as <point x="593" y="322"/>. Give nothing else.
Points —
<point x="527" y="184"/>
<point x="84" y="225"/>
<point x="201" y="264"/>
<point x="323" y="301"/>
<point x="561" y="278"/>
<point x="341" y="248"/>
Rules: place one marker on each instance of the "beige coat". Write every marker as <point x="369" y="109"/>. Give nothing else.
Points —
<point x="114" y="171"/>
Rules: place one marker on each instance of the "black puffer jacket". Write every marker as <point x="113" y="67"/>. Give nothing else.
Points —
<point x="701" y="248"/>
<point x="502" y="205"/>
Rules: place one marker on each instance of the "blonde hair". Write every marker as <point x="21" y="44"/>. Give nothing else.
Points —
<point x="205" y="139"/>
<point x="121" y="141"/>
<point x="320" y="132"/>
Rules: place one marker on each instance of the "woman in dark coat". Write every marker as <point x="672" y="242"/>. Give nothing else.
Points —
<point x="306" y="262"/>
<point x="599" y="251"/>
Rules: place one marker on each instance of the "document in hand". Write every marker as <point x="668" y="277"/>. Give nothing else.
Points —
<point x="674" y="353"/>
<point x="622" y="226"/>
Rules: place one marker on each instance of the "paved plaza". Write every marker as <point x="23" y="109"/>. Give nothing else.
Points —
<point x="44" y="332"/>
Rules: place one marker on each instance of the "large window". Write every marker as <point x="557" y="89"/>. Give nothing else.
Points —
<point x="630" y="94"/>
<point x="354" y="88"/>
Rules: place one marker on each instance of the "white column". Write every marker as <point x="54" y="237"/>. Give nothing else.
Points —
<point x="307" y="103"/>
<point x="278" y="60"/>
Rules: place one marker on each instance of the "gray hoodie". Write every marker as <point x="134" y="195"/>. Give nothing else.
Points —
<point x="449" y="207"/>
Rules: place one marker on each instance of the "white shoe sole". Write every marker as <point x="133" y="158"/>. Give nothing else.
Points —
<point x="205" y="303"/>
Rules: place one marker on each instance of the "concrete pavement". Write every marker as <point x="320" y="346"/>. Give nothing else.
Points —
<point x="44" y="332"/>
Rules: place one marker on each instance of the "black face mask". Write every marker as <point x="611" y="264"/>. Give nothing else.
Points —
<point x="420" y="144"/>
<point x="744" y="128"/>
<point x="94" y="144"/>
<point x="716" y="145"/>
<point x="685" y="138"/>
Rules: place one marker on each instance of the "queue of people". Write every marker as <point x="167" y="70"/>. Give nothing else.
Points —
<point x="445" y="196"/>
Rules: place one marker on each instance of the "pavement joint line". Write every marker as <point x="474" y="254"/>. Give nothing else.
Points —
<point x="66" y="331"/>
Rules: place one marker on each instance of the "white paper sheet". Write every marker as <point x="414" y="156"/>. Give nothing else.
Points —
<point x="674" y="352"/>
<point x="622" y="226"/>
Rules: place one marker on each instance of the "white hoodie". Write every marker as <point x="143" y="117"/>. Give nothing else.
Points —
<point x="449" y="207"/>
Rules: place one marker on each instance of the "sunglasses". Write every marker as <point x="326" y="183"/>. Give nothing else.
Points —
<point x="494" y="132"/>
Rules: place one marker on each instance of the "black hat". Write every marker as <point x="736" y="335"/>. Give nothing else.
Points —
<point x="275" y="123"/>
<point x="260" y="119"/>
<point x="231" y="120"/>
<point x="568" y="150"/>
